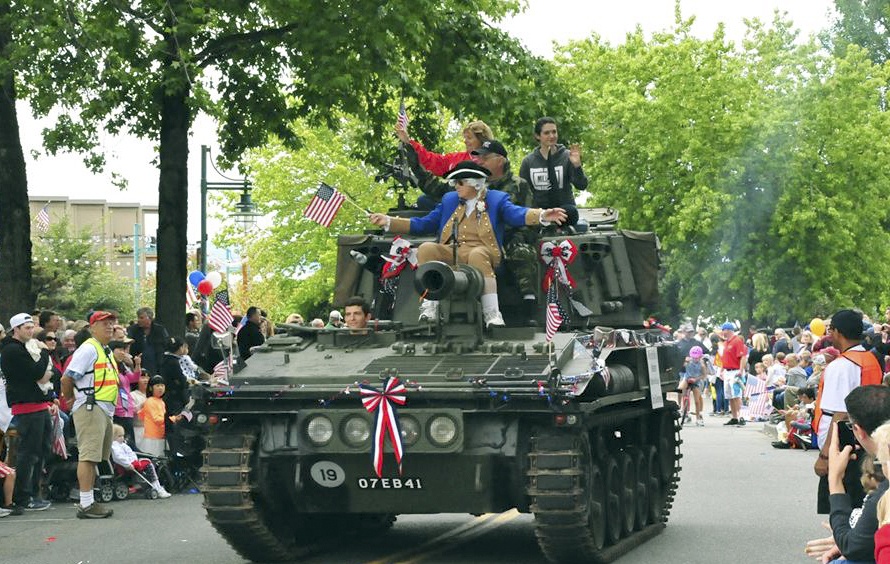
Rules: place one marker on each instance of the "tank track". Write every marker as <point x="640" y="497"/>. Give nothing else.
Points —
<point x="230" y="487"/>
<point x="566" y="518"/>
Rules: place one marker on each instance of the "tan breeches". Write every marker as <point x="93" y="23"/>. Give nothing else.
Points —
<point x="480" y="257"/>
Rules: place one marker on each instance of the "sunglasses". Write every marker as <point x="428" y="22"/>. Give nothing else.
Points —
<point x="49" y="339"/>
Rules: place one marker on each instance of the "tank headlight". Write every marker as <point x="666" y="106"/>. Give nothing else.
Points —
<point x="320" y="430"/>
<point x="201" y="418"/>
<point x="356" y="431"/>
<point x="442" y="430"/>
<point x="410" y="430"/>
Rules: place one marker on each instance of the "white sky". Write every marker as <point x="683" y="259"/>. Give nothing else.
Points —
<point x="544" y="22"/>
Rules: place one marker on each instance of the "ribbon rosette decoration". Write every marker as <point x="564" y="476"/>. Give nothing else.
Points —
<point x="557" y="257"/>
<point x="386" y="419"/>
<point x="401" y="254"/>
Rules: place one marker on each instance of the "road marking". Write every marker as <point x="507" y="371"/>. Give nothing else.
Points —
<point x="448" y="540"/>
<point x="467" y="535"/>
<point x="444" y="536"/>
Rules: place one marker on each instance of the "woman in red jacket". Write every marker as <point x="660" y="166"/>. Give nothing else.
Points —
<point x="475" y="133"/>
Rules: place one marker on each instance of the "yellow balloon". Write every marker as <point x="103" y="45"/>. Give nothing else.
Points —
<point x="817" y="327"/>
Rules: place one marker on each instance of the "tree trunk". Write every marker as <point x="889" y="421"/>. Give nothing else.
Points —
<point x="173" y="212"/>
<point x="15" y="214"/>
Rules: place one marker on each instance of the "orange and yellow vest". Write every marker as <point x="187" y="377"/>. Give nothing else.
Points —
<point x="870" y="374"/>
<point x="105" y="378"/>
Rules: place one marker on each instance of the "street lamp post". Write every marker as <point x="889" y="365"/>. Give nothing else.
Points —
<point x="245" y="210"/>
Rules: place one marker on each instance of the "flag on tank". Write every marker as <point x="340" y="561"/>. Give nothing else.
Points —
<point x="324" y="205"/>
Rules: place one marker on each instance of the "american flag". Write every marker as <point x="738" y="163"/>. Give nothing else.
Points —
<point x="402" y="122"/>
<point x="759" y="406"/>
<point x="555" y="313"/>
<point x="190" y="298"/>
<point x="43" y="219"/>
<point x="324" y="205"/>
<point x="222" y="370"/>
<point x="220" y="319"/>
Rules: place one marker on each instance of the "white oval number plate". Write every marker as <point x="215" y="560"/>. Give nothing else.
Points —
<point x="327" y="474"/>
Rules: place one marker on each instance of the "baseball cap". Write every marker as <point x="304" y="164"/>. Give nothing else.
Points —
<point x="335" y="315"/>
<point x="819" y="359"/>
<point x="101" y="316"/>
<point x="119" y="344"/>
<point x="492" y="146"/>
<point x="728" y="326"/>
<point x="20" y="319"/>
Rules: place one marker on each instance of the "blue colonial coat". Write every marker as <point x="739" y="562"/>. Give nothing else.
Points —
<point x="501" y="212"/>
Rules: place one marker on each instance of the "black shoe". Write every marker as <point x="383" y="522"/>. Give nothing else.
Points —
<point x="781" y="445"/>
<point x="14" y="509"/>
<point x="742" y="423"/>
<point x="732" y="421"/>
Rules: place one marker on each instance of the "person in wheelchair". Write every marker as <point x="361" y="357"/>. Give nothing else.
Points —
<point x="124" y="456"/>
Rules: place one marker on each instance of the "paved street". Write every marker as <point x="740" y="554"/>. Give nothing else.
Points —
<point x="739" y="500"/>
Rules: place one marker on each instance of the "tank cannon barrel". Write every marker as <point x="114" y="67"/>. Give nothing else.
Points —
<point x="436" y="280"/>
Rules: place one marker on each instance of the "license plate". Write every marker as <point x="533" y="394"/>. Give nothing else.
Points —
<point x="390" y="484"/>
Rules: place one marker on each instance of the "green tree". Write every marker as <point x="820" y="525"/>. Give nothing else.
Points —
<point x="71" y="276"/>
<point x="749" y="162"/>
<point x="149" y="67"/>
<point x="865" y="23"/>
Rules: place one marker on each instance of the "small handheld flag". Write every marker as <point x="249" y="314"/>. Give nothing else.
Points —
<point x="402" y="122"/>
<point x="220" y="319"/>
<point x="324" y="205"/>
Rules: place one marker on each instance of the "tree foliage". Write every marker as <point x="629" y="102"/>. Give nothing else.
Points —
<point x="149" y="67"/>
<point x="71" y="276"/>
<point x="754" y="164"/>
<point x="865" y="23"/>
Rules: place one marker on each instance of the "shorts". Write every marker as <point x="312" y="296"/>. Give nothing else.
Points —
<point x="93" y="434"/>
<point x="733" y="384"/>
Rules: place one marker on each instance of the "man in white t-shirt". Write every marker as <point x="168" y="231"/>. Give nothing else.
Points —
<point x="855" y="367"/>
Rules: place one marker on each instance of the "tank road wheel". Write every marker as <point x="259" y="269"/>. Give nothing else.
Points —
<point x="655" y="501"/>
<point x="614" y="488"/>
<point x="567" y="496"/>
<point x="641" y="487"/>
<point x="628" y="476"/>
<point x="259" y="526"/>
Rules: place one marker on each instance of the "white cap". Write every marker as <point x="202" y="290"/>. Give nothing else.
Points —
<point x="20" y="319"/>
<point x="335" y="315"/>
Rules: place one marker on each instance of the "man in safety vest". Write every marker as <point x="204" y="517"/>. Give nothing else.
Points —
<point x="91" y="384"/>
<point x="855" y="367"/>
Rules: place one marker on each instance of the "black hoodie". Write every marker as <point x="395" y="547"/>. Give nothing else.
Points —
<point x="22" y="372"/>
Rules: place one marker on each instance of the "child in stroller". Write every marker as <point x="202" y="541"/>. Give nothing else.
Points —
<point x="124" y="457"/>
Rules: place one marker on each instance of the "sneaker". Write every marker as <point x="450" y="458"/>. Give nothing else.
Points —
<point x="732" y="421"/>
<point x="742" y="423"/>
<point x="37" y="505"/>
<point x="493" y="317"/>
<point x="163" y="494"/>
<point x="14" y="509"/>
<point x="699" y="422"/>
<point x="95" y="511"/>
<point x="781" y="445"/>
<point x="429" y="310"/>
<point x="5" y="512"/>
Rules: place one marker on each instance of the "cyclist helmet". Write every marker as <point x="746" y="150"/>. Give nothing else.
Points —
<point x="696" y="352"/>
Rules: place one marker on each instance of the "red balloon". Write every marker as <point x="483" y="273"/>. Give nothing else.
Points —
<point x="205" y="287"/>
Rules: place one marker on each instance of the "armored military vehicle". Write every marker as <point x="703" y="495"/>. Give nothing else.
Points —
<point x="326" y="431"/>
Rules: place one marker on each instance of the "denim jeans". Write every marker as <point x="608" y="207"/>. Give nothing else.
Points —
<point x="35" y="434"/>
<point x="720" y="403"/>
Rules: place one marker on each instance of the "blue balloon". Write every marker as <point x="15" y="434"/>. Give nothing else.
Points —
<point x="195" y="277"/>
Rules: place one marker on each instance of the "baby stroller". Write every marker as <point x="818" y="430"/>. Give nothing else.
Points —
<point x="125" y="480"/>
